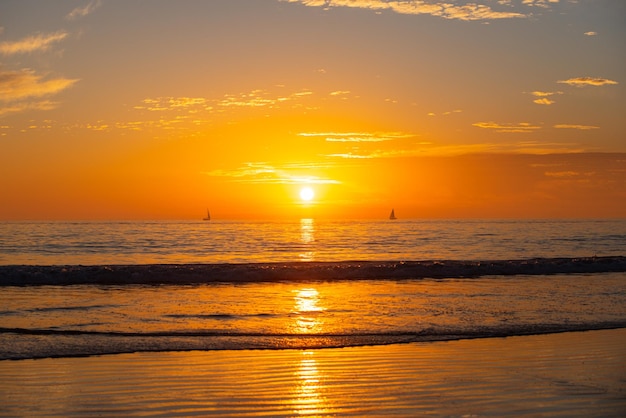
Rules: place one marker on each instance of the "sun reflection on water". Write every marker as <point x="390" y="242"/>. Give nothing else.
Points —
<point x="307" y="309"/>
<point x="307" y="238"/>
<point x="308" y="393"/>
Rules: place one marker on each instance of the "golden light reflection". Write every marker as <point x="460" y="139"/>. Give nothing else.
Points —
<point x="308" y="398"/>
<point x="307" y="310"/>
<point x="307" y="238"/>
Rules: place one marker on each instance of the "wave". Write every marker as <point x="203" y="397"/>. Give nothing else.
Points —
<point x="44" y="343"/>
<point x="29" y="275"/>
<point x="430" y="333"/>
<point x="224" y="316"/>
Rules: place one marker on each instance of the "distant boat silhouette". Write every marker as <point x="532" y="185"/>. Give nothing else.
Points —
<point x="392" y="216"/>
<point x="208" y="216"/>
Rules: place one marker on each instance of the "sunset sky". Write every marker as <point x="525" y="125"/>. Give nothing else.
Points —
<point x="153" y="109"/>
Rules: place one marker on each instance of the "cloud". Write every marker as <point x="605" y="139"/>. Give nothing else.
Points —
<point x="350" y="155"/>
<point x="523" y="127"/>
<point x="591" y="33"/>
<point x="259" y="98"/>
<point x="253" y="99"/>
<point x="544" y="101"/>
<point x="579" y="127"/>
<point x="433" y="149"/>
<point x="83" y="11"/>
<point x="539" y="3"/>
<point x="188" y="113"/>
<point x="587" y="81"/>
<point x="17" y="85"/>
<point x="22" y="107"/>
<point x="561" y="174"/>
<point x="251" y="169"/>
<point x="172" y="103"/>
<point x="39" y="42"/>
<point x="357" y="136"/>
<point x="545" y="93"/>
<point x="263" y="173"/>
<point x="449" y="112"/>
<point x="446" y="10"/>
<point x="98" y="127"/>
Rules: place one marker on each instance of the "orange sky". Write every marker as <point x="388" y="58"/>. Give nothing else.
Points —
<point x="158" y="110"/>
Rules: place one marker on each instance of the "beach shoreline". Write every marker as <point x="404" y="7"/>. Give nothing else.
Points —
<point x="565" y="374"/>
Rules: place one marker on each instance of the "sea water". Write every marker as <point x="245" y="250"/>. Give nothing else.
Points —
<point x="93" y="243"/>
<point x="83" y="288"/>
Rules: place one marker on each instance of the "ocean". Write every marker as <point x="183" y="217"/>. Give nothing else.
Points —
<point x="91" y="288"/>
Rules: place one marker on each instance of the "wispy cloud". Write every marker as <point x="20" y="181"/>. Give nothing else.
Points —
<point x="17" y="85"/>
<point x="543" y="97"/>
<point x="357" y="136"/>
<point x="539" y="3"/>
<point x="264" y="173"/>
<point x="587" y="81"/>
<point x="259" y="98"/>
<point x="561" y="174"/>
<point x="446" y="10"/>
<point x="545" y="93"/>
<point x="248" y="170"/>
<point x="350" y="155"/>
<point x="579" y="127"/>
<point x="83" y="11"/>
<point x="25" y="106"/>
<point x="18" y="89"/>
<point x="544" y="101"/>
<point x="98" y="127"/>
<point x="253" y="99"/>
<point x="522" y="127"/>
<point x="187" y="114"/>
<point x="591" y="33"/>
<point x="162" y="104"/>
<point x="450" y="112"/>
<point x="33" y="43"/>
<point x="433" y="149"/>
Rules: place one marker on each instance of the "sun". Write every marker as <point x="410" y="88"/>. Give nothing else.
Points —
<point x="307" y="194"/>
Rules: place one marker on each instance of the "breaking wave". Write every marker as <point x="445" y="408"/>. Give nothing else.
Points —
<point x="27" y="275"/>
<point x="32" y="343"/>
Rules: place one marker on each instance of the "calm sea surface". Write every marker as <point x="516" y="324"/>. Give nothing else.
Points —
<point x="234" y="310"/>
<point x="304" y="240"/>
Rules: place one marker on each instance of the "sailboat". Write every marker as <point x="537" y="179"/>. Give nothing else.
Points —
<point x="392" y="215"/>
<point x="208" y="216"/>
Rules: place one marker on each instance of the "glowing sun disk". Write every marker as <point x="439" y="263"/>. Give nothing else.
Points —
<point x="307" y="194"/>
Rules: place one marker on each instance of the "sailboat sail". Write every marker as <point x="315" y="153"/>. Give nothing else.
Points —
<point x="392" y="215"/>
<point x="208" y="216"/>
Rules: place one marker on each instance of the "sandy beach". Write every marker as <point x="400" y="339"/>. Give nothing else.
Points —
<point x="567" y="374"/>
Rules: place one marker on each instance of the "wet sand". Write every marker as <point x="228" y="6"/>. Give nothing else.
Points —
<point x="575" y="374"/>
